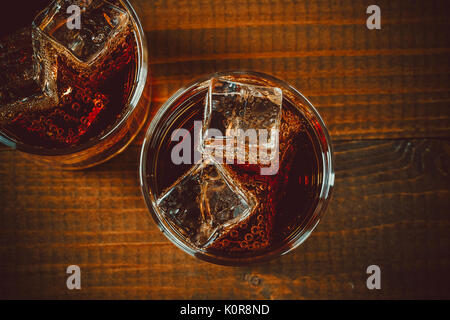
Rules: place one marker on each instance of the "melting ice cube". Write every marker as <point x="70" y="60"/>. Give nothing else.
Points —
<point x="204" y="202"/>
<point x="241" y="121"/>
<point x="31" y="84"/>
<point x="100" y="30"/>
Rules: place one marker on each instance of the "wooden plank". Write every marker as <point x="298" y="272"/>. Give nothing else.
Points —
<point x="390" y="205"/>
<point x="390" y="208"/>
<point x="367" y="84"/>
<point x="389" y="83"/>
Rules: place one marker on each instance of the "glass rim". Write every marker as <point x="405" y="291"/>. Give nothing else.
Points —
<point x="298" y="237"/>
<point x="138" y="88"/>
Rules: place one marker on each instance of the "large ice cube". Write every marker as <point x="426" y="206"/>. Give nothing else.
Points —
<point x="22" y="86"/>
<point x="204" y="202"/>
<point x="241" y="121"/>
<point x="101" y="28"/>
<point x="60" y="48"/>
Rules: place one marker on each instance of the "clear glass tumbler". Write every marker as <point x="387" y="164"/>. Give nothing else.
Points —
<point x="118" y="130"/>
<point x="298" y="193"/>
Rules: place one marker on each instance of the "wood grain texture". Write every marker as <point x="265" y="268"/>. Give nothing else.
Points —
<point x="390" y="208"/>
<point x="392" y="82"/>
<point x="385" y="98"/>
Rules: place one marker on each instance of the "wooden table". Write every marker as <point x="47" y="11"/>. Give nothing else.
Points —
<point x="384" y="95"/>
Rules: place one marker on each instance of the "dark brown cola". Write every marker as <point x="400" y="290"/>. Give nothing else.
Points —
<point x="285" y="201"/>
<point x="88" y="104"/>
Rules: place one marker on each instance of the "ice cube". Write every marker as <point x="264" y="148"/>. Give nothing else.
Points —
<point x="101" y="29"/>
<point x="241" y="121"/>
<point x="22" y="86"/>
<point x="58" y="46"/>
<point x="204" y="202"/>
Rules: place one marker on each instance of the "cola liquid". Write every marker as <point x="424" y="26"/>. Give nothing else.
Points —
<point x="89" y="104"/>
<point x="286" y="200"/>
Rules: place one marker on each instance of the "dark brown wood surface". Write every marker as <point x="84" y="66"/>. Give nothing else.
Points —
<point x="385" y="97"/>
